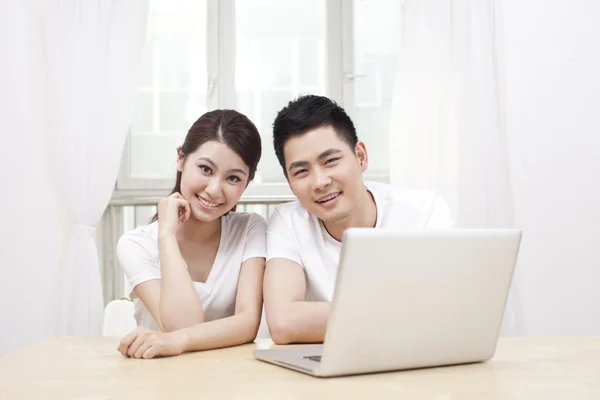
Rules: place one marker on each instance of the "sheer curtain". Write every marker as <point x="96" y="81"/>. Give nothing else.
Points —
<point x="91" y="54"/>
<point x="447" y="130"/>
<point x="30" y="237"/>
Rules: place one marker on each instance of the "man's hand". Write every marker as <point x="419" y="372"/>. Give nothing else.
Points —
<point x="146" y="343"/>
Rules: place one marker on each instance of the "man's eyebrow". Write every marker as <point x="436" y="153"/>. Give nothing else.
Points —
<point x="297" y="164"/>
<point x="327" y="153"/>
<point x="320" y="157"/>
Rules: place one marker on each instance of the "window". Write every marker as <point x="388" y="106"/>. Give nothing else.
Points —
<point x="255" y="56"/>
<point x="171" y="92"/>
<point x="280" y="54"/>
<point x="376" y="35"/>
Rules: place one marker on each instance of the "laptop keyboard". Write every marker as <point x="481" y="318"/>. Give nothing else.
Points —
<point x="314" y="358"/>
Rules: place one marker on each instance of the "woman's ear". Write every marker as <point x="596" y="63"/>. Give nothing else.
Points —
<point x="361" y="153"/>
<point x="180" y="159"/>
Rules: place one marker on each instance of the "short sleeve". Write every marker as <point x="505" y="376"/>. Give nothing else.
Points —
<point x="440" y="216"/>
<point x="134" y="251"/>
<point x="256" y="240"/>
<point x="280" y="240"/>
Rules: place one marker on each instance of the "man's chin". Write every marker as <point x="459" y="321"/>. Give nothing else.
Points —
<point x="333" y="217"/>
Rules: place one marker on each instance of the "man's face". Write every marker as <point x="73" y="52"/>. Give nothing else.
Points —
<point x="325" y="173"/>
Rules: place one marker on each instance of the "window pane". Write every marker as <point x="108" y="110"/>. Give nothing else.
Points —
<point x="173" y="108"/>
<point x="143" y="109"/>
<point x="376" y="34"/>
<point x="279" y="56"/>
<point x="171" y="86"/>
<point x="175" y="64"/>
<point x="145" y="73"/>
<point x="311" y="56"/>
<point x="153" y="155"/>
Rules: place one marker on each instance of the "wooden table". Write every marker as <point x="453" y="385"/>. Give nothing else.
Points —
<point x="91" y="368"/>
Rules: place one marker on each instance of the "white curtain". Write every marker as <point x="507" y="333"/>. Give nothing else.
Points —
<point x="447" y="129"/>
<point x="92" y="50"/>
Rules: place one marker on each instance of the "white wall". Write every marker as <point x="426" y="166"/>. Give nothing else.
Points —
<point x="552" y="76"/>
<point x="30" y="231"/>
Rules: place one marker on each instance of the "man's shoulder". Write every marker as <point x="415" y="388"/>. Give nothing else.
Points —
<point x="402" y="195"/>
<point x="291" y="210"/>
<point x="415" y="207"/>
<point x="290" y="217"/>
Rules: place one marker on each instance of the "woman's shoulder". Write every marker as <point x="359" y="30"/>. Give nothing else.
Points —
<point x="245" y="224"/>
<point x="144" y="238"/>
<point x="237" y="218"/>
<point x="246" y="232"/>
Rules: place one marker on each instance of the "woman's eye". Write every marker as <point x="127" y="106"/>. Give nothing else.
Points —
<point x="205" y="169"/>
<point x="234" y="178"/>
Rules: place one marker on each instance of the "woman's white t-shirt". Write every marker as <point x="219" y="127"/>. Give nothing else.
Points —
<point x="297" y="235"/>
<point x="242" y="238"/>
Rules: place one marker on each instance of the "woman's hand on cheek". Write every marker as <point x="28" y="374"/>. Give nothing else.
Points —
<point x="172" y="211"/>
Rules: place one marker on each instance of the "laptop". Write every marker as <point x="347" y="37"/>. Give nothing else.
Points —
<point x="411" y="299"/>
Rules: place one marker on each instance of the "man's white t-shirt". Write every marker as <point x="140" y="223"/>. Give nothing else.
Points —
<point x="242" y="238"/>
<point x="295" y="234"/>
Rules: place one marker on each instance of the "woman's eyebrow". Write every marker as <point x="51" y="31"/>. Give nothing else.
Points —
<point x="212" y="163"/>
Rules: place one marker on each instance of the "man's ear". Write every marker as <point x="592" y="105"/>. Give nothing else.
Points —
<point x="361" y="153"/>
<point x="180" y="159"/>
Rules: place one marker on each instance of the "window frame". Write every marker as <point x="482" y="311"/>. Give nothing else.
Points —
<point x="221" y="92"/>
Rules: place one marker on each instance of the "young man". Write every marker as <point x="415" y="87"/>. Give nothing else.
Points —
<point x="323" y="161"/>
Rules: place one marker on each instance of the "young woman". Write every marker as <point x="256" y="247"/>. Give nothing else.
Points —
<point x="196" y="270"/>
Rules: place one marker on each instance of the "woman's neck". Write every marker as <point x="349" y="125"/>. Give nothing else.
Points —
<point x="198" y="231"/>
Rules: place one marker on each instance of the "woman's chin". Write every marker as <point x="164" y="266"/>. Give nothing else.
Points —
<point x="206" y="215"/>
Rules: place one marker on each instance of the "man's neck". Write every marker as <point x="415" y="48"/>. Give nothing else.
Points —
<point x="364" y="215"/>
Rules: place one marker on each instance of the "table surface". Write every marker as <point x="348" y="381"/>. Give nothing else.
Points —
<point x="91" y="368"/>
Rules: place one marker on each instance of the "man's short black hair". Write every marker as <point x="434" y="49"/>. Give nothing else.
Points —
<point x="307" y="113"/>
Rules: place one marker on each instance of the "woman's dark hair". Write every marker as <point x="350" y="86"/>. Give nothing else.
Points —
<point x="226" y="126"/>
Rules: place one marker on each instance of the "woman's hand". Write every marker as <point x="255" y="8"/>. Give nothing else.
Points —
<point x="146" y="343"/>
<point x="172" y="211"/>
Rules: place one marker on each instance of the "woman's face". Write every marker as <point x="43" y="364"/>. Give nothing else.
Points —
<point x="213" y="179"/>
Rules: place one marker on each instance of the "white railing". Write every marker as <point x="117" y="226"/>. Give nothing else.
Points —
<point x="126" y="213"/>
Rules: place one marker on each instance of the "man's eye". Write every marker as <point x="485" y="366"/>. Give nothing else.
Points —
<point x="300" y="171"/>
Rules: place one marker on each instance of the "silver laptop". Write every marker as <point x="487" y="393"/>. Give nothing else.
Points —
<point x="406" y="300"/>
